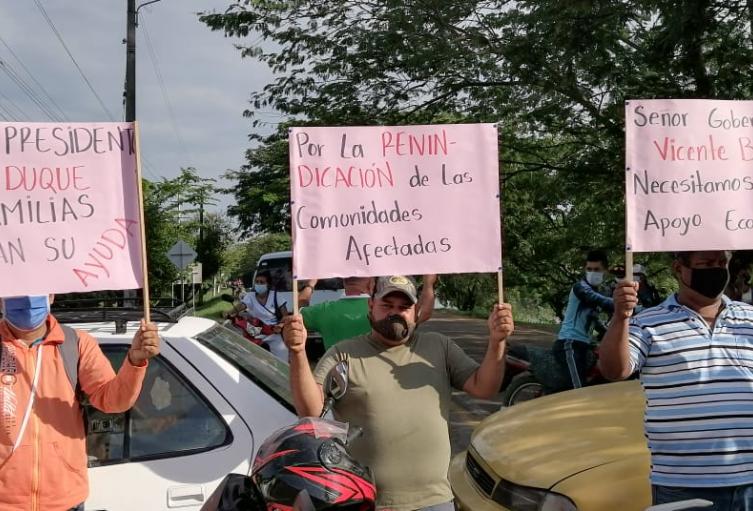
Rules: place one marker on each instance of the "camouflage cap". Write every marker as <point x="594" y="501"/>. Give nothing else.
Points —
<point x="395" y="284"/>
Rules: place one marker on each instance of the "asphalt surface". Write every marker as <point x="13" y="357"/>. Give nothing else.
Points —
<point x="472" y="336"/>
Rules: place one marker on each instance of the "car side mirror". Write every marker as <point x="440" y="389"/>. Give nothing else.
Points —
<point x="335" y="385"/>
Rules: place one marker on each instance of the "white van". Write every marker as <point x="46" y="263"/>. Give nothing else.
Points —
<point x="280" y="266"/>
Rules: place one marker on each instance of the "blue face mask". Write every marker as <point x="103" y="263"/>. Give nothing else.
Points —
<point x="26" y="313"/>
<point x="260" y="289"/>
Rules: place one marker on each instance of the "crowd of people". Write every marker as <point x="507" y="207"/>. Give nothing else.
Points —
<point x="690" y="350"/>
<point x="693" y="352"/>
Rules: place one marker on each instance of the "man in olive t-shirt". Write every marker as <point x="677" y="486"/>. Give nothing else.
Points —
<point x="400" y="383"/>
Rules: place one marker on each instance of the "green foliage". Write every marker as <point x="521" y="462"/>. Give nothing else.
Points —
<point x="467" y="291"/>
<point x="477" y="293"/>
<point x="262" y="192"/>
<point x="527" y="308"/>
<point x="241" y="258"/>
<point x="213" y="243"/>
<point x="162" y="231"/>
<point x="214" y="308"/>
<point x="554" y="74"/>
<point x="173" y="211"/>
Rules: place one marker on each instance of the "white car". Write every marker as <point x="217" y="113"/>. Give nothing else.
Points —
<point x="209" y="400"/>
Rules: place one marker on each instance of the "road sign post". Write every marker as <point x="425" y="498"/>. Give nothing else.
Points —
<point x="181" y="255"/>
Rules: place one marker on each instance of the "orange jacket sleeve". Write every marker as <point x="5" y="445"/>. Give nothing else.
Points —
<point x="107" y="391"/>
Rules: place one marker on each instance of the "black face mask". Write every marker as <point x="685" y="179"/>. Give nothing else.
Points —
<point x="393" y="327"/>
<point x="710" y="282"/>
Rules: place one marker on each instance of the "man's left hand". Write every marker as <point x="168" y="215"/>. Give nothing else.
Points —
<point x="500" y="323"/>
<point x="145" y="344"/>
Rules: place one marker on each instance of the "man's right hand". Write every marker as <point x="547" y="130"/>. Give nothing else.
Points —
<point x="625" y="299"/>
<point x="294" y="333"/>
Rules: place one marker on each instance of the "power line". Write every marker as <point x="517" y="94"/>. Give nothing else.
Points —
<point x="5" y="114"/>
<point x="41" y="87"/>
<point x="149" y="168"/>
<point x="19" y="112"/>
<point x="65" y="46"/>
<point x="26" y="88"/>
<point x="163" y="87"/>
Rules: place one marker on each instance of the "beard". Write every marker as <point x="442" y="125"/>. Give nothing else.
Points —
<point x="394" y="328"/>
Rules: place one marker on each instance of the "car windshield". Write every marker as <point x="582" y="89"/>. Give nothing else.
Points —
<point x="254" y="362"/>
<point x="282" y="280"/>
<point x="280" y="270"/>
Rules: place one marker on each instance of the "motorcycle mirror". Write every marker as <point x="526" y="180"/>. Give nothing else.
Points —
<point x="303" y="502"/>
<point x="335" y="385"/>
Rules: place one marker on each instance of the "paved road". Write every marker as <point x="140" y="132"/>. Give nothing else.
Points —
<point x="472" y="335"/>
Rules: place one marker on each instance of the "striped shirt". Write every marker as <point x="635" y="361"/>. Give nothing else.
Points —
<point x="699" y="393"/>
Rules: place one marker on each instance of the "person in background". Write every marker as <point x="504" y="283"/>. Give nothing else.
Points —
<point x="648" y="296"/>
<point x="261" y="304"/>
<point x="42" y="441"/>
<point x="741" y="288"/>
<point x="586" y="300"/>
<point x="746" y="291"/>
<point x="348" y="317"/>
<point x="339" y="319"/>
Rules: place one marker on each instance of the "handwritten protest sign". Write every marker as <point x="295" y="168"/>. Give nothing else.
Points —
<point x="689" y="175"/>
<point x="69" y="212"/>
<point x="384" y="200"/>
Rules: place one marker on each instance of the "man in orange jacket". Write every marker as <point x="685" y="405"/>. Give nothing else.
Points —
<point x="42" y="442"/>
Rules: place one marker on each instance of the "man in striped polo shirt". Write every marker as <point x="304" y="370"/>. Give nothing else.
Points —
<point x="694" y="352"/>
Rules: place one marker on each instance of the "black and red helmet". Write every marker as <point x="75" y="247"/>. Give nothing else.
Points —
<point x="311" y="455"/>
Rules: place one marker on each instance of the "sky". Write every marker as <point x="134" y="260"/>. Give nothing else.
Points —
<point x="202" y="74"/>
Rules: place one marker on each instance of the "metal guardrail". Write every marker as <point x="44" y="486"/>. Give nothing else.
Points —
<point x="106" y="314"/>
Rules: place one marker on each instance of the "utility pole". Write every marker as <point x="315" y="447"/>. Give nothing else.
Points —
<point x="129" y="95"/>
<point x="130" y="81"/>
<point x="132" y="21"/>
<point x="201" y="216"/>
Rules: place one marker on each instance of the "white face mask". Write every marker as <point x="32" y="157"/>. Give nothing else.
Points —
<point x="595" y="278"/>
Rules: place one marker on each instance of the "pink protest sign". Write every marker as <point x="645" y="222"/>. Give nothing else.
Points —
<point x="689" y="175"/>
<point x="69" y="209"/>
<point x="383" y="200"/>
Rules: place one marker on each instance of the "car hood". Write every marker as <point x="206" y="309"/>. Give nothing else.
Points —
<point x="542" y="442"/>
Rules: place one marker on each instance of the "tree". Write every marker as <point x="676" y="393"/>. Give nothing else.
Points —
<point x="241" y="258"/>
<point x="554" y="74"/>
<point x="262" y="190"/>
<point x="162" y="231"/>
<point x="173" y="211"/>
<point x="211" y="248"/>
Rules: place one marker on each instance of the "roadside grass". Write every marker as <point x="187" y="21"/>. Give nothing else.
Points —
<point x="527" y="309"/>
<point x="213" y="306"/>
<point x="479" y="313"/>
